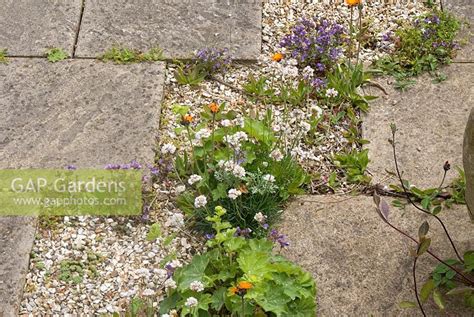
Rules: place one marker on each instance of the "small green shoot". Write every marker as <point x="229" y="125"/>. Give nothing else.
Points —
<point x="55" y="55"/>
<point x="3" y="56"/>
<point x="123" y="55"/>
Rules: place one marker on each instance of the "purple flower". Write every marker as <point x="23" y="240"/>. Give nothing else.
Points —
<point x="214" y="59"/>
<point x="387" y="37"/>
<point x="242" y="232"/>
<point x="112" y="167"/>
<point x="209" y="236"/>
<point x="278" y="238"/>
<point x="71" y="167"/>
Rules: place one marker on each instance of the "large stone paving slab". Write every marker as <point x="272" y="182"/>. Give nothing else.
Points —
<point x="29" y="27"/>
<point x="431" y="119"/>
<point x="464" y="9"/>
<point x="179" y="27"/>
<point x="81" y="112"/>
<point x="362" y="267"/>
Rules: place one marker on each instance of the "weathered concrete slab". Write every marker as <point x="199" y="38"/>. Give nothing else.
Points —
<point x="362" y="266"/>
<point x="29" y="27"/>
<point x="81" y="112"/>
<point x="464" y="9"/>
<point x="16" y="240"/>
<point x="431" y="119"/>
<point x="179" y="27"/>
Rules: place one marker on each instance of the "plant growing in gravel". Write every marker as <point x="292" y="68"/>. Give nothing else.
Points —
<point x="123" y="55"/>
<point x="451" y="277"/>
<point x="237" y="276"/>
<point x="55" y="55"/>
<point x="236" y="162"/>
<point x="316" y="43"/>
<point x="207" y="62"/>
<point x="354" y="165"/>
<point x="422" y="46"/>
<point x="3" y="56"/>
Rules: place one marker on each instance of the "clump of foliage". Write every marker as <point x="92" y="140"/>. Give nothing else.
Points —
<point x="316" y="43"/>
<point x="123" y="55"/>
<point x="354" y="165"/>
<point x="206" y="63"/>
<point x="55" y="55"/>
<point x="239" y="277"/>
<point x="3" y="56"/>
<point x="422" y="46"/>
<point x="238" y="163"/>
<point x="451" y="277"/>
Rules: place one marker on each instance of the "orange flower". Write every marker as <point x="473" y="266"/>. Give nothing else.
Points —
<point x="244" y="285"/>
<point x="352" y="3"/>
<point x="234" y="290"/>
<point x="187" y="119"/>
<point x="277" y="57"/>
<point x="214" y="107"/>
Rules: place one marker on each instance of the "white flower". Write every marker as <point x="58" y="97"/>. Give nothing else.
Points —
<point x="292" y="62"/>
<point x="238" y="171"/>
<point x="200" y="201"/>
<point x="194" y="179"/>
<point x="170" y="284"/>
<point x="234" y="193"/>
<point x="308" y="72"/>
<point x="226" y="123"/>
<point x="148" y="292"/>
<point x="239" y="121"/>
<point x="276" y="155"/>
<point x="331" y="92"/>
<point x="235" y="139"/>
<point x="180" y="188"/>
<point x="168" y="148"/>
<point x="191" y="302"/>
<point x="290" y="71"/>
<point x="265" y="164"/>
<point x="305" y="126"/>
<point x="196" y="286"/>
<point x="315" y="108"/>
<point x="203" y="133"/>
<point x="260" y="218"/>
<point x="269" y="178"/>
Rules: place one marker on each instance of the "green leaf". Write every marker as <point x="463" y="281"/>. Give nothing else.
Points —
<point x="460" y="290"/>
<point x="218" y="298"/>
<point x="407" y="304"/>
<point x="426" y="290"/>
<point x="154" y="232"/>
<point x="423" y="230"/>
<point x="438" y="299"/>
<point x="192" y="272"/>
<point x="424" y="245"/>
<point x="469" y="261"/>
<point x="254" y="263"/>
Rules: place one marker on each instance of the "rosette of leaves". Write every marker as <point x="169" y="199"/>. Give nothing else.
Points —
<point x="277" y="287"/>
<point x="253" y="154"/>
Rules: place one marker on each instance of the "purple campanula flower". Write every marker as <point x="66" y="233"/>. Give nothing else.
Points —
<point x="275" y="236"/>
<point x="71" y="167"/>
<point x="209" y="236"/>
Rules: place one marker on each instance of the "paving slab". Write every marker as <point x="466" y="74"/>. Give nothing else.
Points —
<point x="179" y="27"/>
<point x="431" y="119"/>
<point x="81" y="112"/>
<point x="30" y="27"/>
<point x="361" y="266"/>
<point x="464" y="9"/>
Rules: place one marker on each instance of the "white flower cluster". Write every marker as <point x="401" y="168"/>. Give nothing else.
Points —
<point x="308" y="72"/>
<point x="269" y="178"/>
<point x="194" y="179"/>
<point x="331" y="92"/>
<point x="168" y="148"/>
<point x="170" y="284"/>
<point x="196" y="286"/>
<point x="305" y="127"/>
<point x="191" y="302"/>
<point x="236" y="139"/>
<point x="231" y="167"/>
<point x="234" y="193"/>
<point x="260" y="218"/>
<point x="202" y="134"/>
<point x="276" y="155"/>
<point x="200" y="201"/>
<point x="180" y="189"/>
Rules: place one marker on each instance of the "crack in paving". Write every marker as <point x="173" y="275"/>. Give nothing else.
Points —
<point x="76" y="38"/>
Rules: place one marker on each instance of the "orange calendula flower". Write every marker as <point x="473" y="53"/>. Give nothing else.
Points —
<point x="187" y="119"/>
<point x="214" y="107"/>
<point x="352" y="3"/>
<point x="244" y="285"/>
<point x="277" y="57"/>
<point x="233" y="290"/>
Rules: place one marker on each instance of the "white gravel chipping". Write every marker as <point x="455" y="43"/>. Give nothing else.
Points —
<point x="126" y="264"/>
